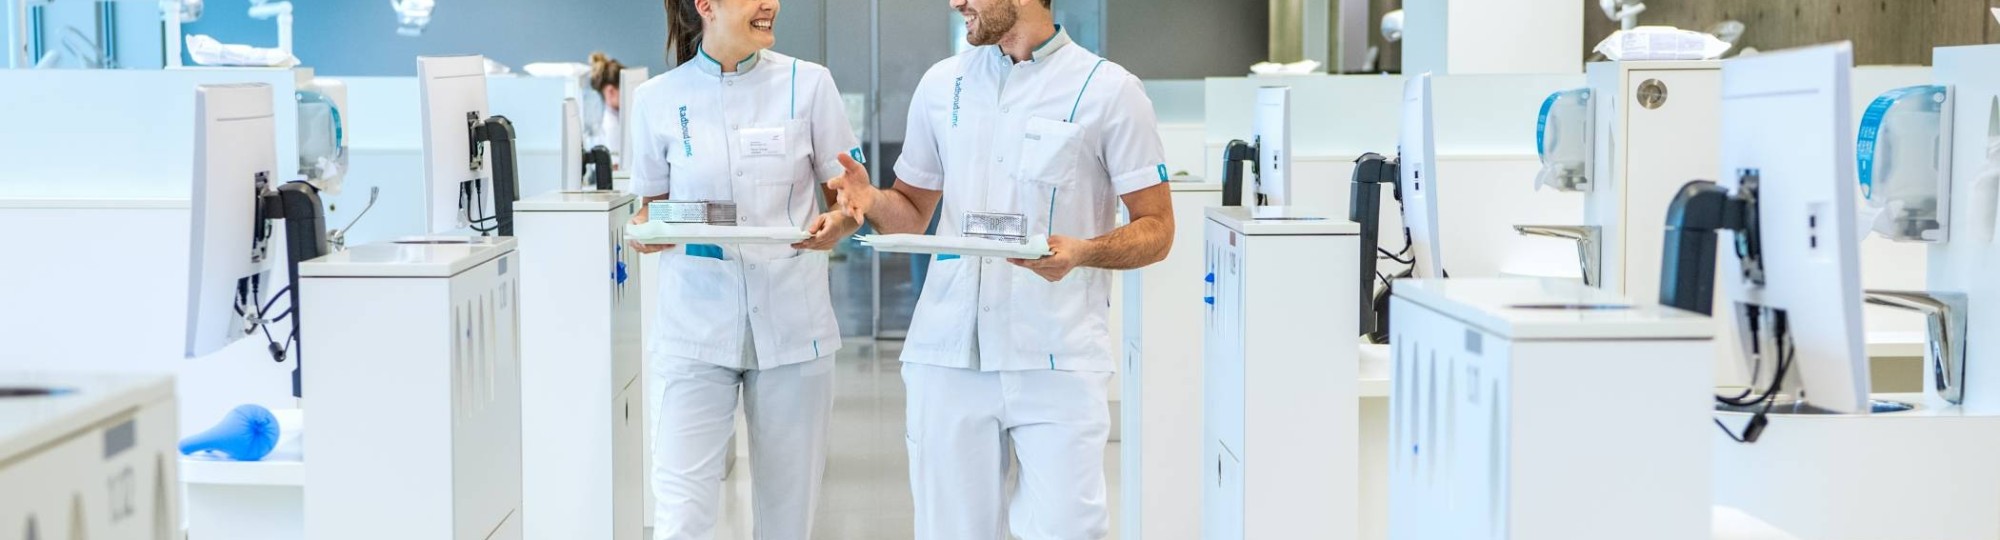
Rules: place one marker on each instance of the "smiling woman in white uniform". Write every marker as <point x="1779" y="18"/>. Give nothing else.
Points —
<point x="741" y="123"/>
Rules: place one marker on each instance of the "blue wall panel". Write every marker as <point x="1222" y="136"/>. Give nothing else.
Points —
<point x="358" y="37"/>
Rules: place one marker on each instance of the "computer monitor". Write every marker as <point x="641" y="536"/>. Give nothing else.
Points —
<point x="1418" y="180"/>
<point x="628" y="90"/>
<point x="1269" y="151"/>
<point x="1271" y="131"/>
<point x="572" y="145"/>
<point x="1787" y="145"/>
<point x="469" y="161"/>
<point x="230" y="243"/>
<point x="453" y="91"/>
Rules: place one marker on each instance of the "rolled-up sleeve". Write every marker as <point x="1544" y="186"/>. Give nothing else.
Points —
<point x="1134" y="157"/>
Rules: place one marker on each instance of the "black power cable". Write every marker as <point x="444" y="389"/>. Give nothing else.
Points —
<point x="1754" y="429"/>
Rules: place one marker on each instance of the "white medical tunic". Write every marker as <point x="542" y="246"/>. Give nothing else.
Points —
<point x="765" y="137"/>
<point x="1057" y="139"/>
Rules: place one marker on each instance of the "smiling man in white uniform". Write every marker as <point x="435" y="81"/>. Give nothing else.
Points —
<point x="1016" y="353"/>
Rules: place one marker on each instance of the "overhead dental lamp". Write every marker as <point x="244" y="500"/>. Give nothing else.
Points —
<point x="412" y="16"/>
<point x="282" y="11"/>
<point x="1626" y="12"/>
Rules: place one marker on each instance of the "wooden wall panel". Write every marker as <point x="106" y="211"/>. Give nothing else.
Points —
<point x="1884" y="32"/>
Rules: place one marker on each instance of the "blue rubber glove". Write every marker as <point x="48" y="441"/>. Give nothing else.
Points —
<point x="248" y="433"/>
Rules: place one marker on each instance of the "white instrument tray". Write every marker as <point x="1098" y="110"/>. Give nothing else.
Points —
<point x="696" y="233"/>
<point x="925" y="244"/>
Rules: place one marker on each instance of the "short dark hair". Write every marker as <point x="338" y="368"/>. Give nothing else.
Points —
<point x="1051" y="4"/>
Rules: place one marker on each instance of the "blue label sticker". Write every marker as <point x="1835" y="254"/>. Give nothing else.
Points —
<point x="1163" y="172"/>
<point x="858" y="156"/>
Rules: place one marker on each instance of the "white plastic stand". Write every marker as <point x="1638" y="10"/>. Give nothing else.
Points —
<point x="582" y="414"/>
<point x="1161" y="439"/>
<point x="415" y="395"/>
<point x="1534" y="409"/>
<point x="1281" y="418"/>
<point x="248" y="500"/>
<point x="96" y="460"/>
<point x="1927" y="473"/>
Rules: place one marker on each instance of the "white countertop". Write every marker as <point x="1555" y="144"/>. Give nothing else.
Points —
<point x="86" y="399"/>
<point x="1194" y="185"/>
<point x="574" y="201"/>
<point x="1551" y="309"/>
<point x="1282" y="221"/>
<point x="278" y="469"/>
<point x="1375" y="359"/>
<point x="439" y="256"/>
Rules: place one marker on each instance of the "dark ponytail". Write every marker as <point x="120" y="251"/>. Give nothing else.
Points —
<point x="684" y="28"/>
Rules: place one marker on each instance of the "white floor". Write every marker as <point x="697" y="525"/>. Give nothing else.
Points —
<point x="867" y="494"/>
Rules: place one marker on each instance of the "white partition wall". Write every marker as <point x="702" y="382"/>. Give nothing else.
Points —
<point x="386" y="148"/>
<point x="1468" y="37"/>
<point x="115" y="134"/>
<point x="106" y="157"/>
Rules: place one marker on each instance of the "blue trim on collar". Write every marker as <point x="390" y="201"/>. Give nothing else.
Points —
<point x="1052" y="38"/>
<point x="746" y="64"/>
<point x="1048" y="47"/>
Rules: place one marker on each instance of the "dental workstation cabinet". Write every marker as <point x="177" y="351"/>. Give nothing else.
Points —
<point x="1280" y="392"/>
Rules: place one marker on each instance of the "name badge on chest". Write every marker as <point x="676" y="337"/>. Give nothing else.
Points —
<point x="759" y="142"/>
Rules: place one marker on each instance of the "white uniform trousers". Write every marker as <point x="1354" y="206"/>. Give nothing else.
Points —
<point x="961" y="425"/>
<point x="787" y="409"/>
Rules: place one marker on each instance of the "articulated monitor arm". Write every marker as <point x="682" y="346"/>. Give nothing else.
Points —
<point x="1364" y="207"/>
<point x="298" y="204"/>
<point x="1233" y="157"/>
<point x="498" y="133"/>
<point x="598" y="161"/>
<point x="1687" y="261"/>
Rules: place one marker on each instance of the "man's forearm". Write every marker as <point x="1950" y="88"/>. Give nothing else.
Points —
<point x="1142" y="242"/>
<point x="895" y="213"/>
